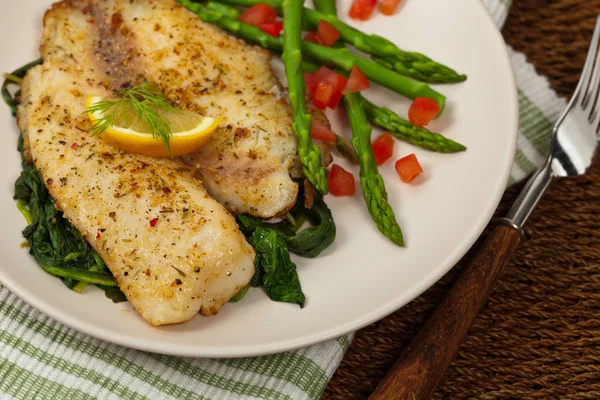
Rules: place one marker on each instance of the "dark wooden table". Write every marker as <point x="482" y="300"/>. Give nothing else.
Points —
<point x="539" y="335"/>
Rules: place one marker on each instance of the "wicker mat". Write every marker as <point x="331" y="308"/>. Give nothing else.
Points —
<point x="539" y="335"/>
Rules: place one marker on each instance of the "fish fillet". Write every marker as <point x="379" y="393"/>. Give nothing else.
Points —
<point x="173" y="250"/>
<point x="246" y="166"/>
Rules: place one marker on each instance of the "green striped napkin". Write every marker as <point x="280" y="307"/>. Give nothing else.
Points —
<point x="41" y="359"/>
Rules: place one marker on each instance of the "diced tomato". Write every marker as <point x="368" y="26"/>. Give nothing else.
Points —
<point x="323" y="74"/>
<point x="362" y="9"/>
<point x="408" y="168"/>
<point x="310" y="80"/>
<point x="321" y="132"/>
<point x="311" y="36"/>
<point x="335" y="99"/>
<point x="341" y="182"/>
<point x="422" y="111"/>
<point x="272" y="28"/>
<point x="336" y="81"/>
<point x="388" y="7"/>
<point x="326" y="33"/>
<point x="258" y="14"/>
<point x="356" y="82"/>
<point x="338" y="86"/>
<point x="383" y="148"/>
<point x="323" y="95"/>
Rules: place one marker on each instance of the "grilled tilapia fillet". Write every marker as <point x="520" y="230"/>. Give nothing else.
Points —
<point x="173" y="250"/>
<point x="247" y="164"/>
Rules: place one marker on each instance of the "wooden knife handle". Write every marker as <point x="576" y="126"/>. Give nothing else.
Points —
<point x="421" y="367"/>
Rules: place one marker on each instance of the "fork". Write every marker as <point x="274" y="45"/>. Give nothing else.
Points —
<point x="422" y="365"/>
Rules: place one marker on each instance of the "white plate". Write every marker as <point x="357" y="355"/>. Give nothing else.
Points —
<point x="362" y="277"/>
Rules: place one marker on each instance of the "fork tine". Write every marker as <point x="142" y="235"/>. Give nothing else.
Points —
<point x="588" y="69"/>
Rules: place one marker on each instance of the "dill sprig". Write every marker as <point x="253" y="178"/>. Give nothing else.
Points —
<point x="148" y="106"/>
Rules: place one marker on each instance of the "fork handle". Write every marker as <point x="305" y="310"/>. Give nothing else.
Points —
<point x="420" y="368"/>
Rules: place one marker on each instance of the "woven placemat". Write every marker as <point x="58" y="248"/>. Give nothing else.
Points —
<point x="539" y="335"/>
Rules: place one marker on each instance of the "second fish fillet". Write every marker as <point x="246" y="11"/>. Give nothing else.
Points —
<point x="246" y="165"/>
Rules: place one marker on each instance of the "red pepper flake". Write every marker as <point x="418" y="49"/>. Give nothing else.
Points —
<point x="153" y="222"/>
<point x="83" y="138"/>
<point x="74" y="146"/>
<point x="97" y="235"/>
<point x="133" y="170"/>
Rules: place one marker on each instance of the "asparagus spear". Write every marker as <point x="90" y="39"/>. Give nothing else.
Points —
<point x="276" y="4"/>
<point x="245" y="31"/>
<point x="345" y="60"/>
<point x="407" y="132"/>
<point x="420" y="68"/>
<point x="309" y="153"/>
<point x="225" y="9"/>
<point x="340" y="145"/>
<point x="371" y="182"/>
<point x="412" y="64"/>
<point x="337" y="57"/>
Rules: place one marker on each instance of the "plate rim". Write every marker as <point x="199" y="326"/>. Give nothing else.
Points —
<point x="168" y="348"/>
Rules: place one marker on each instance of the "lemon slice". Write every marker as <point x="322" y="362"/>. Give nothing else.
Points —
<point x="189" y="131"/>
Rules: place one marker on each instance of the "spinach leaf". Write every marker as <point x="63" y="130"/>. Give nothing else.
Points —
<point x="310" y="242"/>
<point x="280" y="278"/>
<point x="9" y="99"/>
<point x="257" y="279"/>
<point x="248" y="224"/>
